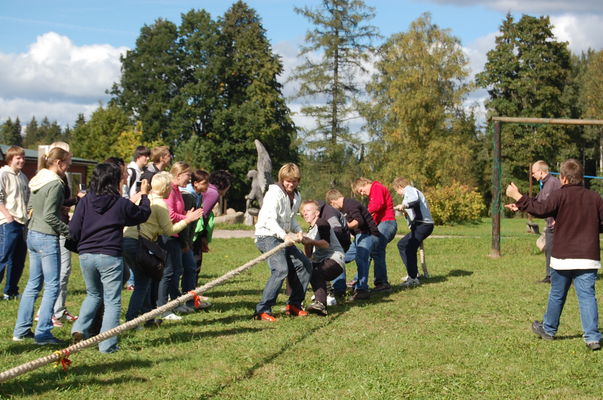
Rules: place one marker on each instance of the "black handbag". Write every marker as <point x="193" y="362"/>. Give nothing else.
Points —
<point x="150" y="257"/>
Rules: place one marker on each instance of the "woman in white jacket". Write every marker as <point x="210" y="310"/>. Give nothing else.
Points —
<point x="276" y="223"/>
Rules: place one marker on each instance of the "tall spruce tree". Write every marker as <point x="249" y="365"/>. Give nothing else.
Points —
<point x="415" y="115"/>
<point x="335" y="53"/>
<point x="10" y="132"/>
<point x="31" y="138"/>
<point x="525" y="75"/>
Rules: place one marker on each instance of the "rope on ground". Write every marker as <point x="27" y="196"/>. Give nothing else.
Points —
<point x="61" y="355"/>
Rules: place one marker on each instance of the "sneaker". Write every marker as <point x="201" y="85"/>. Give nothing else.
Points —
<point x="594" y="346"/>
<point x="538" y="329"/>
<point x="295" y="311"/>
<point x="331" y="300"/>
<point x="153" y="323"/>
<point x="170" y="316"/>
<point x="76" y="337"/>
<point x="204" y="305"/>
<point x="317" y="308"/>
<point x="265" y="316"/>
<point x="5" y="297"/>
<point x="352" y="283"/>
<point x="130" y="288"/>
<point x="184" y="309"/>
<point x="69" y="317"/>
<point x="382" y="287"/>
<point x="410" y="282"/>
<point x="546" y="279"/>
<point x="361" y="295"/>
<point x="28" y="335"/>
<point x="56" y="322"/>
<point x="48" y="340"/>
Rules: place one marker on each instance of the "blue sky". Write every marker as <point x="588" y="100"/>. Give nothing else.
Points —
<point x="58" y="57"/>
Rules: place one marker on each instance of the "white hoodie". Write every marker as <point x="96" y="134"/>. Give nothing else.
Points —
<point x="14" y="194"/>
<point x="277" y="216"/>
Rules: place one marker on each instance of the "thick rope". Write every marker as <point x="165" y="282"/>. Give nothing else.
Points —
<point x="61" y="354"/>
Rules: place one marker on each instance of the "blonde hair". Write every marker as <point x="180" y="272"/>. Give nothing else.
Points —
<point x="179" y="168"/>
<point x="358" y="183"/>
<point x="400" y="183"/>
<point x="161" y="183"/>
<point x="159" y="152"/>
<point x="333" y="194"/>
<point x="54" y="145"/>
<point x="290" y="172"/>
<point x="310" y="202"/>
<point x="53" y="155"/>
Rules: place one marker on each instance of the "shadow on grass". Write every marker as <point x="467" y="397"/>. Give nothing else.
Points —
<point x="41" y="382"/>
<point x="270" y="358"/>
<point x="182" y="337"/>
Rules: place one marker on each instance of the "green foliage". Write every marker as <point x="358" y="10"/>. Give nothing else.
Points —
<point x="10" y="132"/>
<point x="209" y="89"/>
<point x="43" y="133"/>
<point x="415" y="117"/>
<point x="97" y="138"/>
<point x="455" y="203"/>
<point x="335" y="51"/>
<point x="526" y="74"/>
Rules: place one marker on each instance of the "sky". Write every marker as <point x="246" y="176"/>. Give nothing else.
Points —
<point x="57" y="58"/>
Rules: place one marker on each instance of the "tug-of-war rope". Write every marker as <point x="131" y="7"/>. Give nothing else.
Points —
<point x="60" y="357"/>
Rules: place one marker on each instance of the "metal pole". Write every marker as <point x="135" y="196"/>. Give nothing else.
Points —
<point x="496" y="194"/>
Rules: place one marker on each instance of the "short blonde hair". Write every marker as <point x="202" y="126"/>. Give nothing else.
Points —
<point x="12" y="152"/>
<point x="333" y="194"/>
<point x="400" y="183"/>
<point x="290" y="172"/>
<point x="161" y="183"/>
<point x="360" y="182"/>
<point x="179" y="168"/>
<point x="159" y="152"/>
<point x="310" y="202"/>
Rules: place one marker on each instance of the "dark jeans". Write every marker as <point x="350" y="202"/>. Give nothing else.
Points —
<point x="323" y="272"/>
<point x="12" y="255"/>
<point x="144" y="296"/>
<point x="409" y="244"/>
<point x="170" y="282"/>
<point x="289" y="263"/>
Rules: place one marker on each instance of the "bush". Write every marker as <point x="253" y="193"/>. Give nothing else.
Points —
<point x="454" y="204"/>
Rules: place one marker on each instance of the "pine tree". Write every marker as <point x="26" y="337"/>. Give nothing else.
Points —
<point x="31" y="138"/>
<point x="525" y="75"/>
<point x="10" y="132"/>
<point x="335" y="53"/>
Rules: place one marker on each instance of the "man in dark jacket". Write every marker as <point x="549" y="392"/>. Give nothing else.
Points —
<point x="575" y="256"/>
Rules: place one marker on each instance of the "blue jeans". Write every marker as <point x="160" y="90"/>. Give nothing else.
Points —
<point x="189" y="273"/>
<point x="103" y="277"/>
<point x="360" y="250"/>
<point x="584" y="284"/>
<point x="44" y="269"/>
<point x="170" y="282"/>
<point x="12" y="255"/>
<point x="409" y="244"/>
<point x="387" y="231"/>
<point x="287" y="263"/>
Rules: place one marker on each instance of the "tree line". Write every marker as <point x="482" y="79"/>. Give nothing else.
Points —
<point x="209" y="87"/>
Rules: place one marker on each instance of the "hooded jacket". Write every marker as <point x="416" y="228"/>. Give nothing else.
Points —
<point x="98" y="222"/>
<point x="45" y="204"/>
<point x="14" y="194"/>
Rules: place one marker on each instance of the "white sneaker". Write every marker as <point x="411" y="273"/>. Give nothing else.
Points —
<point x="410" y="282"/>
<point x="171" y="317"/>
<point x="331" y="301"/>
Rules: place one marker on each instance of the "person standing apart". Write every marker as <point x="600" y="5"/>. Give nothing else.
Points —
<point x="381" y="207"/>
<point x="421" y="226"/>
<point x="576" y="253"/>
<point x="276" y="224"/>
<point x="548" y="184"/>
<point x="45" y="227"/>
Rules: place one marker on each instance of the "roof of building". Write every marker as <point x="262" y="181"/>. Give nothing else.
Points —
<point x="33" y="155"/>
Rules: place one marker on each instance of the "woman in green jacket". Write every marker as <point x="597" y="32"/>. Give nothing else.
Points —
<point x="45" y="227"/>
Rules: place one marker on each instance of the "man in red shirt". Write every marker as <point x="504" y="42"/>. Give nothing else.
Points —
<point x="381" y="207"/>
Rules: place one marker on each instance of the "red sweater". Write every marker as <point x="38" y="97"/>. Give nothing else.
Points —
<point x="578" y="214"/>
<point x="380" y="203"/>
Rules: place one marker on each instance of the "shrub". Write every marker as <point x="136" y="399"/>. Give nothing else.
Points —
<point x="454" y="204"/>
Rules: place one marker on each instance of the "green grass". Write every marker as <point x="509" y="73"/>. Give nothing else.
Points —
<point x="463" y="334"/>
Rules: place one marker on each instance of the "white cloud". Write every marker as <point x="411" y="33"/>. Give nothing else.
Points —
<point x="581" y="31"/>
<point x="536" y="6"/>
<point x="57" y="78"/>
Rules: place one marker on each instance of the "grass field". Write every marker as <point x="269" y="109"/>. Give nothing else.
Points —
<point x="463" y="334"/>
